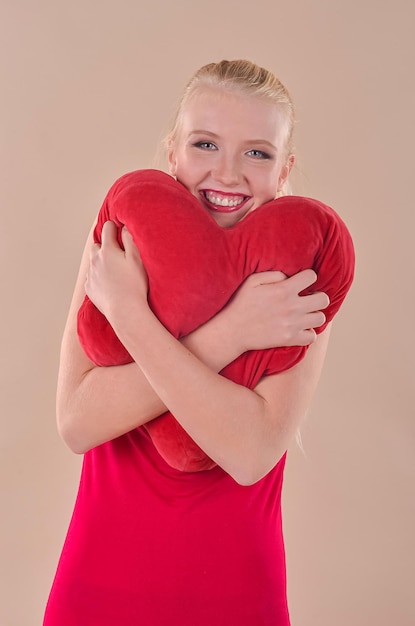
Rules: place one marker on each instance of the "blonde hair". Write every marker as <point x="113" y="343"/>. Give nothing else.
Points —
<point x="246" y="77"/>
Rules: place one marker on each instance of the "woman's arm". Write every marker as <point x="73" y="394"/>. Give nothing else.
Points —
<point x="244" y="431"/>
<point x="96" y="404"/>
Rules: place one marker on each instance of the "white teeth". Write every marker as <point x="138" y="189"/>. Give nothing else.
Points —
<point x="231" y="202"/>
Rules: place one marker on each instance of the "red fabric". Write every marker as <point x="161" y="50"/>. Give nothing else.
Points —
<point x="153" y="546"/>
<point x="150" y="544"/>
<point x="195" y="266"/>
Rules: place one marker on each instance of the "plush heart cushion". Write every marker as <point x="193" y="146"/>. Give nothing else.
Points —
<point x="194" y="267"/>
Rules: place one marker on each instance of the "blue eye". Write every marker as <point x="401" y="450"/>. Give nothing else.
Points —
<point x="205" y="145"/>
<point x="259" y="154"/>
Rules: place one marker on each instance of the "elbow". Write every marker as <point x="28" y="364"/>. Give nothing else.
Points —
<point x="70" y="435"/>
<point x="72" y="442"/>
<point x="246" y="479"/>
<point x="75" y="447"/>
<point x="248" y="474"/>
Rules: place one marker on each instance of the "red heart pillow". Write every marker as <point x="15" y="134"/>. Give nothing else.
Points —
<point x="194" y="267"/>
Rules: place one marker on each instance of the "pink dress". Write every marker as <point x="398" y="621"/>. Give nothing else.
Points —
<point x="155" y="546"/>
<point x="150" y="544"/>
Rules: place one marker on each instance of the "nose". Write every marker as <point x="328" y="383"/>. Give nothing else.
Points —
<point x="227" y="171"/>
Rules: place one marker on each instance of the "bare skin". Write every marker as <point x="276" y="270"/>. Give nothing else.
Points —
<point x="97" y="404"/>
<point x="246" y="432"/>
<point x="230" y="153"/>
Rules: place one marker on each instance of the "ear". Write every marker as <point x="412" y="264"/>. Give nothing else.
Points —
<point x="285" y="171"/>
<point x="171" y="155"/>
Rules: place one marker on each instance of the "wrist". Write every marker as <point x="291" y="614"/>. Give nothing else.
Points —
<point x="129" y="315"/>
<point x="215" y="343"/>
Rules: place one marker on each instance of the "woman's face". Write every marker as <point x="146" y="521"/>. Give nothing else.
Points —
<point x="230" y="152"/>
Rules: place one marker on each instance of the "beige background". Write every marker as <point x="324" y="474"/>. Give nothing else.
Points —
<point x="87" y="90"/>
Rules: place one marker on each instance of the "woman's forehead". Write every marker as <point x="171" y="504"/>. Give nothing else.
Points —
<point x="219" y="110"/>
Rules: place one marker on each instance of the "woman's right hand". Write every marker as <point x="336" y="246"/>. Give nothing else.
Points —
<point x="96" y="404"/>
<point x="267" y="311"/>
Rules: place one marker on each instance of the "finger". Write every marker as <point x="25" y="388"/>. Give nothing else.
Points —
<point x="109" y="234"/>
<point x="310" y="336"/>
<point x="304" y="337"/>
<point x="317" y="319"/>
<point x="315" y="301"/>
<point x="128" y="241"/>
<point x="302" y="280"/>
<point x="94" y="250"/>
<point x="268" y="278"/>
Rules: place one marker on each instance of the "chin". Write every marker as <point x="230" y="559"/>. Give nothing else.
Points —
<point x="227" y="220"/>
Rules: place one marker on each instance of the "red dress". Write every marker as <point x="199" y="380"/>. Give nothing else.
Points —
<point x="152" y="545"/>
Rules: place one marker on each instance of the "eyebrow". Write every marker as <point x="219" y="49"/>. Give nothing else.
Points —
<point x="204" y="132"/>
<point x="262" y="142"/>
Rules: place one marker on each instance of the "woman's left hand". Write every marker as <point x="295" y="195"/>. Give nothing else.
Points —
<point x="116" y="278"/>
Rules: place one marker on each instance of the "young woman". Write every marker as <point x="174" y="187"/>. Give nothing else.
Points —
<point x="149" y="544"/>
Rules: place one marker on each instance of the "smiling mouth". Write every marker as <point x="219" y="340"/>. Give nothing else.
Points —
<point x="222" y="202"/>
